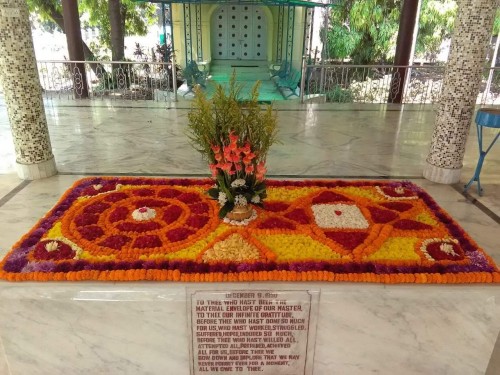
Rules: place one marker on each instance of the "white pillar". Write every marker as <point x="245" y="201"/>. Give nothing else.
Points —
<point x="463" y="74"/>
<point x="23" y="93"/>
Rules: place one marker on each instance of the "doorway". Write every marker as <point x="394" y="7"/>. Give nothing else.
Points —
<point x="239" y="32"/>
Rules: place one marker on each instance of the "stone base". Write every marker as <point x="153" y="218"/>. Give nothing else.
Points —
<point x="36" y="171"/>
<point x="441" y="175"/>
<point x="134" y="324"/>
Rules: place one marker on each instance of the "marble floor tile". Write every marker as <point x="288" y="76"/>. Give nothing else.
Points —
<point x="317" y="140"/>
<point x="490" y="197"/>
<point x="8" y="182"/>
<point x="494" y="365"/>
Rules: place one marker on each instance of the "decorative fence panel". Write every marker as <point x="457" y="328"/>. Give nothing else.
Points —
<point x="379" y="83"/>
<point x="108" y="80"/>
<point x="333" y="83"/>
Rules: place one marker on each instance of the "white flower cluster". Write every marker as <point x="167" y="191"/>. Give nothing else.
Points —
<point x="238" y="183"/>
<point x="144" y="213"/>
<point x="240" y="200"/>
<point x="98" y="187"/>
<point x="54" y="245"/>
<point x="398" y="190"/>
<point x="255" y="199"/>
<point x="339" y="215"/>
<point x="51" y="246"/>
<point x="446" y="246"/>
<point x="447" y="249"/>
<point x="222" y="198"/>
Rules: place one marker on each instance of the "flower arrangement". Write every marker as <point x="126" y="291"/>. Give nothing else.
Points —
<point x="234" y="136"/>
<point x="166" y="229"/>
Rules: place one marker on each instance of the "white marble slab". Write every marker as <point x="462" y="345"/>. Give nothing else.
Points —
<point x="141" y="328"/>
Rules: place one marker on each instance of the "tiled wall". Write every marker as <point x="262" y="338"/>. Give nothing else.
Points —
<point x="21" y="85"/>
<point x="471" y="38"/>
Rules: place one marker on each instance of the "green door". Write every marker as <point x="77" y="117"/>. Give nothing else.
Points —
<point x="239" y="32"/>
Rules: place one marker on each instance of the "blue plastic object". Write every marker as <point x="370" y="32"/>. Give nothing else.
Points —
<point x="485" y="118"/>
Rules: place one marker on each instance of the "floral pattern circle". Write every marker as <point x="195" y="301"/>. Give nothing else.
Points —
<point x="139" y="220"/>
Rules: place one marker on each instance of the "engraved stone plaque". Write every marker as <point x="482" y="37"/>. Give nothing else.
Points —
<point x="252" y="331"/>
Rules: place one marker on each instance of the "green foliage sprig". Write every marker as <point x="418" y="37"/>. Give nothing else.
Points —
<point x="234" y="137"/>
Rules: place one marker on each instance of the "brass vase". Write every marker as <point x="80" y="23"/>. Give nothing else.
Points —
<point x="240" y="213"/>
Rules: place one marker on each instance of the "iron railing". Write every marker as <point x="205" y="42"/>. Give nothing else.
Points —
<point x="380" y="83"/>
<point x="331" y="83"/>
<point x="108" y="79"/>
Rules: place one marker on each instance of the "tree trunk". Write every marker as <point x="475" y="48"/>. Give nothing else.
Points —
<point x="75" y="48"/>
<point x="57" y="17"/>
<point x="116" y="14"/>
<point x="404" y="48"/>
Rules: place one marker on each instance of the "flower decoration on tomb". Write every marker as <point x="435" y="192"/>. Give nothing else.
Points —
<point x="164" y="229"/>
<point x="234" y="137"/>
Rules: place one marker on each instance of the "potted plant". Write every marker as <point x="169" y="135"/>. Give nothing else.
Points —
<point x="234" y="137"/>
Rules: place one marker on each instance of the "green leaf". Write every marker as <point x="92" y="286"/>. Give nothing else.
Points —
<point x="366" y="31"/>
<point x="213" y="193"/>
<point x="211" y="121"/>
<point x="260" y="186"/>
<point x="225" y="209"/>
